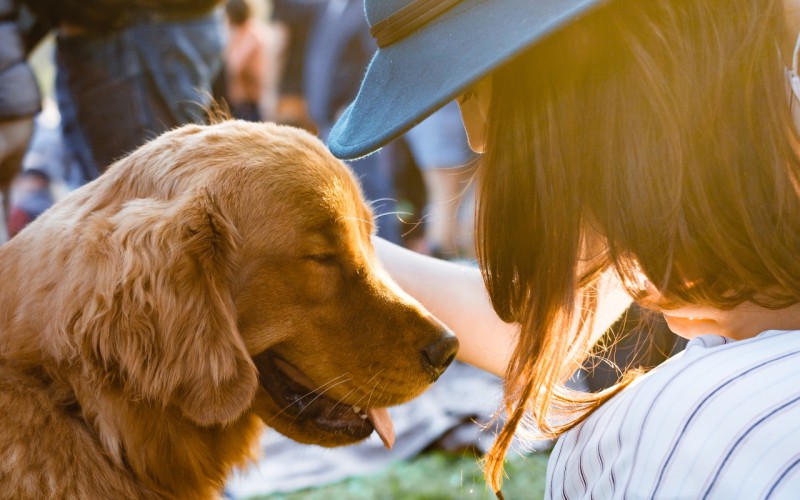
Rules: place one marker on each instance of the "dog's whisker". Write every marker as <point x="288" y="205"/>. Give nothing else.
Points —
<point x="394" y="212"/>
<point x="371" y="203"/>
<point x="351" y="391"/>
<point x="331" y="381"/>
<point x="413" y="226"/>
<point x="383" y="391"/>
<point x="371" y="392"/>
<point x="320" y="395"/>
<point x="322" y="388"/>
<point x="359" y="219"/>
<point x="331" y="384"/>
<point x="359" y="400"/>
<point x="357" y="403"/>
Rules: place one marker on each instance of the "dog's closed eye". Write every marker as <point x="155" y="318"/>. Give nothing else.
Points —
<point x="322" y="257"/>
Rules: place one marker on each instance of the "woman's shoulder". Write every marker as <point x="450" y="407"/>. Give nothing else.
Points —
<point x="712" y="372"/>
<point x="713" y="363"/>
<point x="721" y="415"/>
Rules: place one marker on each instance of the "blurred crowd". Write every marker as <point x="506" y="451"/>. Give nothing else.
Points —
<point x="123" y="72"/>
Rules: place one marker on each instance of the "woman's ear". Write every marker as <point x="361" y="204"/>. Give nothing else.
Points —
<point x="163" y="323"/>
<point x="474" y="105"/>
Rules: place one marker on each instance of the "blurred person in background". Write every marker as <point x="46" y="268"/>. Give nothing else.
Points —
<point x="19" y="102"/>
<point x="337" y="50"/>
<point x="440" y="150"/>
<point x="252" y="62"/>
<point x="293" y="20"/>
<point x="128" y="70"/>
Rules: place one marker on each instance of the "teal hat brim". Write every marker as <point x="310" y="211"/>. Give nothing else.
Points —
<point x="407" y="81"/>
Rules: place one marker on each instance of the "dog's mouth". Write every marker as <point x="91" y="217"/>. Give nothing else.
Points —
<point x="297" y="397"/>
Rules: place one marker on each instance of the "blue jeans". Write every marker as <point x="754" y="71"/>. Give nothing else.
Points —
<point x="117" y="91"/>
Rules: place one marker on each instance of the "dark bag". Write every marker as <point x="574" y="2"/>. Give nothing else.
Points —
<point x="96" y="16"/>
<point x="105" y="16"/>
<point x="179" y="8"/>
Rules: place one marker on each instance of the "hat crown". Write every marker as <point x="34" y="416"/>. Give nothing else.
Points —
<point x="378" y="10"/>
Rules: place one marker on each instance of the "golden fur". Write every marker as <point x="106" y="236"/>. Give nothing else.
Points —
<point x="143" y="316"/>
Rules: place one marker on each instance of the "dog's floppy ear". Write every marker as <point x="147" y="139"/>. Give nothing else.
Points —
<point x="162" y="322"/>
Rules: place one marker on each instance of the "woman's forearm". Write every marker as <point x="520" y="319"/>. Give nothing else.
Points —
<point x="456" y="295"/>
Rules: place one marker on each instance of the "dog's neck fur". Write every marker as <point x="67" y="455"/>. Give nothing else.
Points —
<point x="158" y="450"/>
<point x="167" y="452"/>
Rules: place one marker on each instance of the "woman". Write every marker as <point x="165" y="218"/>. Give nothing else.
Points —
<point x="643" y="147"/>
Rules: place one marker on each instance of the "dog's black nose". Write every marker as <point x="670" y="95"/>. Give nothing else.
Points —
<point x="438" y="355"/>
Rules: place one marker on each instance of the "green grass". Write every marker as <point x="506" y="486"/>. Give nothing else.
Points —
<point x="434" y="476"/>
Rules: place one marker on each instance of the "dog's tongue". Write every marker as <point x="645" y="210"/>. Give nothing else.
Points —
<point x="383" y="425"/>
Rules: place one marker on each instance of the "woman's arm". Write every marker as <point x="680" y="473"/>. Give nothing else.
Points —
<point x="456" y="295"/>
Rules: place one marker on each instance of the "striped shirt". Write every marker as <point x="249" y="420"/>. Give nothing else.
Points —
<point x="720" y="420"/>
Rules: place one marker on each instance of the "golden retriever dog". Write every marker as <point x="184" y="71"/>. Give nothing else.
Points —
<point x="218" y="279"/>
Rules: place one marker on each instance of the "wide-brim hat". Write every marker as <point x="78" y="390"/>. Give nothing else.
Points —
<point x="430" y="51"/>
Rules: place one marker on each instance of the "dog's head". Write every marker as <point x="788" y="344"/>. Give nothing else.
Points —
<point x="234" y="272"/>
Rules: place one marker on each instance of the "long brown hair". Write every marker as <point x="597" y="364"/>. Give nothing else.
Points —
<point x="651" y="137"/>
